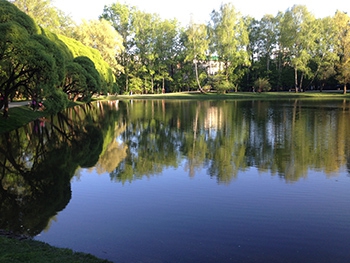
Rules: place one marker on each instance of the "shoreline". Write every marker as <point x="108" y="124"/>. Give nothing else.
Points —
<point x="21" y="114"/>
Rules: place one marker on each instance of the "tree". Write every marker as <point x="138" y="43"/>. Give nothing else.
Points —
<point x="197" y="45"/>
<point x="46" y="15"/>
<point x="229" y="41"/>
<point x="28" y="61"/>
<point x="82" y="79"/>
<point x="263" y="38"/>
<point x="342" y="23"/>
<point x="167" y="38"/>
<point x="144" y="28"/>
<point x="93" y="80"/>
<point x="298" y="39"/>
<point x="106" y="76"/>
<point x="100" y="34"/>
<point x="323" y="55"/>
<point x="120" y="15"/>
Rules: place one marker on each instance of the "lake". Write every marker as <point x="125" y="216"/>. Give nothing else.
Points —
<point x="184" y="181"/>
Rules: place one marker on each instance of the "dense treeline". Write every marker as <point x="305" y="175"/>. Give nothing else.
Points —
<point x="45" y="54"/>
<point x="292" y="50"/>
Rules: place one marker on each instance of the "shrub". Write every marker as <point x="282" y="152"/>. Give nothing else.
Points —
<point x="262" y="84"/>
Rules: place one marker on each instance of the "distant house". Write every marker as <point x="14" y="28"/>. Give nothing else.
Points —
<point x="213" y="66"/>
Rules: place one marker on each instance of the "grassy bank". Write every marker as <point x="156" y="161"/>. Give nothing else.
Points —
<point x="19" y="116"/>
<point x="13" y="250"/>
<point x="241" y="95"/>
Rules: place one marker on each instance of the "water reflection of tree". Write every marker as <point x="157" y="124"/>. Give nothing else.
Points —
<point x="151" y="143"/>
<point x="285" y="138"/>
<point x="38" y="162"/>
<point x="132" y="140"/>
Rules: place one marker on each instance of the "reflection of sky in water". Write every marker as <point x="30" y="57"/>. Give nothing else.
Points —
<point x="173" y="217"/>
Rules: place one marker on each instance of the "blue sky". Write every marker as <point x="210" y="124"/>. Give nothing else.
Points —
<point x="200" y="9"/>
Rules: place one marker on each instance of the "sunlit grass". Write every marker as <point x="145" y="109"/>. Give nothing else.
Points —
<point x="239" y="95"/>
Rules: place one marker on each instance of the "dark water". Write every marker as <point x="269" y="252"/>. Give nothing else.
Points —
<point x="184" y="181"/>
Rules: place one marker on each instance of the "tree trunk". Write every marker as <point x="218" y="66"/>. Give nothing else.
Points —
<point x="268" y="62"/>
<point x="344" y="92"/>
<point x="197" y="78"/>
<point x="6" y="109"/>
<point x="296" y="79"/>
<point x="152" y="84"/>
<point x="301" y="81"/>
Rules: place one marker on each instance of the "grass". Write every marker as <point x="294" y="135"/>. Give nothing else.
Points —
<point x="13" y="250"/>
<point x="20" y="116"/>
<point x="239" y="96"/>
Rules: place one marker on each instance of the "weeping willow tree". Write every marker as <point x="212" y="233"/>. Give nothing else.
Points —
<point x="105" y="72"/>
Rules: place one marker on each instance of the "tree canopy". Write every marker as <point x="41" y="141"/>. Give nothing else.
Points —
<point x="138" y="52"/>
<point x="36" y="63"/>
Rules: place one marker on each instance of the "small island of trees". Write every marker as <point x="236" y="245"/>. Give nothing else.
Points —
<point x="45" y="55"/>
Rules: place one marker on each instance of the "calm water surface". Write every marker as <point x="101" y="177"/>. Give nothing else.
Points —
<point x="171" y="181"/>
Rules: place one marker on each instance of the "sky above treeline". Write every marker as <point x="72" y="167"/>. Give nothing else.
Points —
<point x="200" y="10"/>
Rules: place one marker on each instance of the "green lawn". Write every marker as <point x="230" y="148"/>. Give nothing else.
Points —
<point x="13" y="250"/>
<point x="241" y="95"/>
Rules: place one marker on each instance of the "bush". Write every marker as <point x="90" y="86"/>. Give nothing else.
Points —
<point x="262" y="84"/>
<point x="224" y="86"/>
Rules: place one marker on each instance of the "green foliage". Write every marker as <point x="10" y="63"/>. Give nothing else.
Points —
<point x="56" y="101"/>
<point x="262" y="84"/>
<point x="9" y="13"/>
<point x="342" y="24"/>
<point x="27" y="63"/>
<point x="224" y="86"/>
<point x="75" y="80"/>
<point x="32" y="62"/>
<point x="100" y="34"/>
<point x="139" y="51"/>
<point x="92" y="77"/>
<point x="136" y="85"/>
<point x="229" y="40"/>
<point x="197" y="45"/>
<point x="46" y="15"/>
<point x="79" y="50"/>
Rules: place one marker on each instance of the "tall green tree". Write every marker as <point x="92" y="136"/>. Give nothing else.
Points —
<point x="100" y="34"/>
<point x="167" y="38"/>
<point x="144" y="26"/>
<point x="197" y="46"/>
<point x="342" y="24"/>
<point x="264" y="39"/>
<point x="46" y="15"/>
<point x="298" y="39"/>
<point x="323" y="56"/>
<point x="120" y="15"/>
<point x="229" y="41"/>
